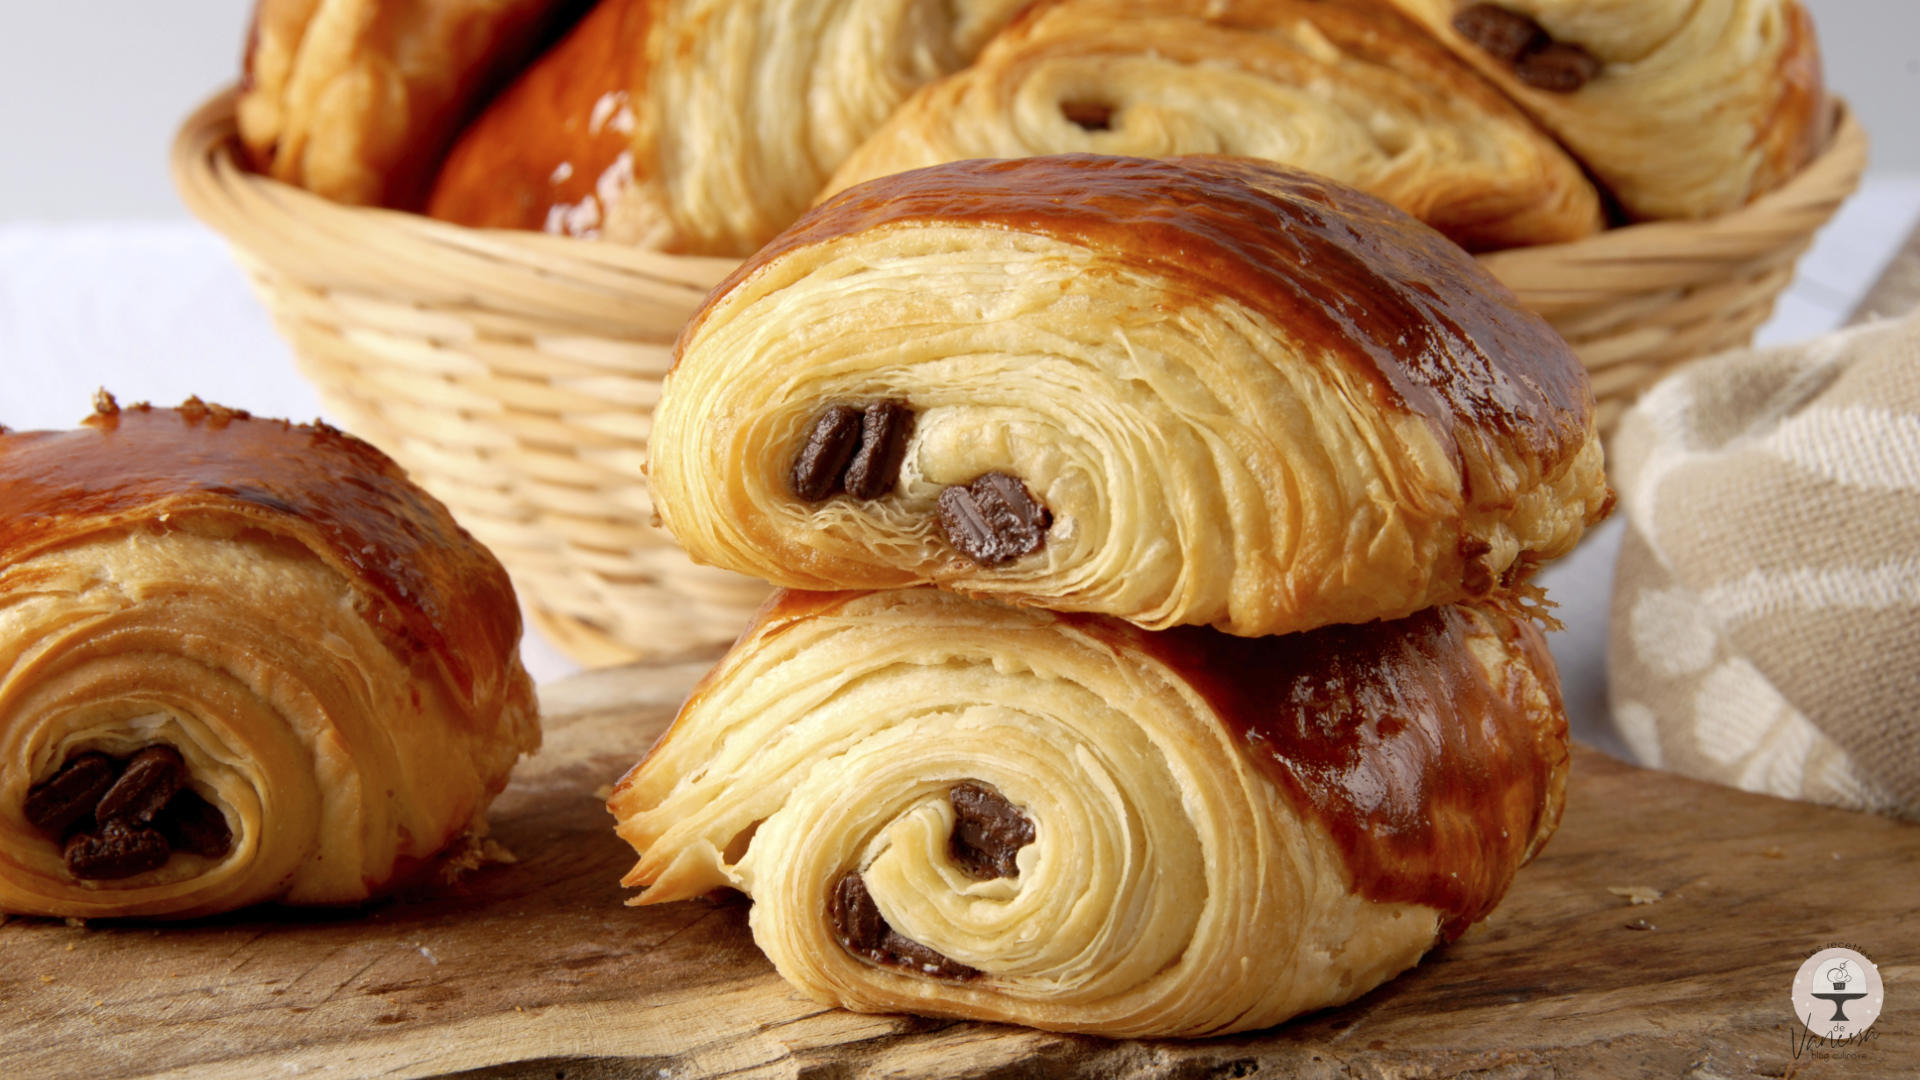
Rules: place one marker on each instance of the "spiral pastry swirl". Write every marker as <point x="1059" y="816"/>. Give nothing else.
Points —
<point x="1197" y="391"/>
<point x="240" y="660"/>
<point x="1353" y="91"/>
<point x="948" y="806"/>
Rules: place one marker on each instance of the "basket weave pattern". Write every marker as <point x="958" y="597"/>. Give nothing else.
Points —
<point x="514" y="374"/>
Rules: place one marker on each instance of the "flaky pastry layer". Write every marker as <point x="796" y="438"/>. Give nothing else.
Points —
<point x="1247" y="398"/>
<point x="357" y="100"/>
<point x="700" y="126"/>
<point x="1223" y="832"/>
<point x="1355" y="92"/>
<point x="1698" y="105"/>
<point x="333" y="659"/>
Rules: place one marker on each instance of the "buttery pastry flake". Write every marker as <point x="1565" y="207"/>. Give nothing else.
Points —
<point x="1695" y="107"/>
<point x="699" y="126"/>
<point x="240" y="660"/>
<point x="1232" y="394"/>
<point x="950" y="807"/>
<point x="1354" y="91"/>
<point x="357" y="100"/>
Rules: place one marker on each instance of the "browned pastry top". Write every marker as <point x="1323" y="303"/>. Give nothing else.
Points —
<point x="551" y="138"/>
<point x="1354" y="279"/>
<point x="1435" y="784"/>
<point x="446" y="599"/>
<point x="1801" y="122"/>
<point x="1429" y="778"/>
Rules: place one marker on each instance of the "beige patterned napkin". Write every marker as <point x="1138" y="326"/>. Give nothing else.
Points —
<point x="1766" y="608"/>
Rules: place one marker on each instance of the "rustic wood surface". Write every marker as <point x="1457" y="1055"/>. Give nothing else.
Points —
<point x="537" y="970"/>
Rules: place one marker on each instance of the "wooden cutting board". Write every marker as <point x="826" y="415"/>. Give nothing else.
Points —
<point x="537" y="970"/>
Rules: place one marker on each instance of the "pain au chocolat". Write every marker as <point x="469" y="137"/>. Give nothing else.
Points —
<point x="949" y="806"/>
<point x="241" y="660"/>
<point x="699" y="126"/>
<point x="357" y="100"/>
<point x="1190" y="391"/>
<point x="1682" y="108"/>
<point x="1353" y="91"/>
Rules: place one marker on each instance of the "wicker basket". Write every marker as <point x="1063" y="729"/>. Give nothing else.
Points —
<point x="513" y="373"/>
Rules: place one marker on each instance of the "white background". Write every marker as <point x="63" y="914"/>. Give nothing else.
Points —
<point x="105" y="281"/>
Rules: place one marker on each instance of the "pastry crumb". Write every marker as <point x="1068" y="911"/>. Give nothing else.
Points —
<point x="1636" y="894"/>
<point x="77" y="924"/>
<point x="1640" y="924"/>
<point x="603" y="792"/>
<point x="1774" y="852"/>
<point x="45" y="979"/>
<point x="474" y="853"/>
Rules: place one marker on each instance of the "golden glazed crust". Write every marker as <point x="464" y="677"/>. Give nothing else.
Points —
<point x="555" y="150"/>
<point x="1225" y="832"/>
<point x="357" y="100"/>
<point x="700" y="126"/>
<point x="1248" y="398"/>
<point x="1698" y="107"/>
<point x="335" y="660"/>
<point x="1352" y="91"/>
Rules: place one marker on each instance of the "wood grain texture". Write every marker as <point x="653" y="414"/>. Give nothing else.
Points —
<point x="537" y="970"/>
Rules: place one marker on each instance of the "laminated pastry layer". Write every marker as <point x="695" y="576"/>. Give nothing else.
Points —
<point x="240" y="660"/>
<point x="1682" y="108"/>
<point x="357" y="100"/>
<point x="1196" y="391"/>
<point x="1356" y="92"/>
<point x="951" y="807"/>
<point x="699" y="126"/>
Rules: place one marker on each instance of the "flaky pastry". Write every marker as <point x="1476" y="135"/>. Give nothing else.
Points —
<point x="948" y="806"/>
<point x="240" y="660"/>
<point x="357" y="100"/>
<point x="699" y="126"/>
<point x="1354" y="91"/>
<point x="1191" y="391"/>
<point x="1682" y="108"/>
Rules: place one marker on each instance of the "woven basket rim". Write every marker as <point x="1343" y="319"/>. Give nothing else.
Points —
<point x="326" y="244"/>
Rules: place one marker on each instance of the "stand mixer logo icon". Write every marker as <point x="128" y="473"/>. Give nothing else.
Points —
<point x="1837" y="993"/>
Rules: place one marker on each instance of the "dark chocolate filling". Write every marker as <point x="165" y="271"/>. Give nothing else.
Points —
<point x="885" y="427"/>
<point x="1502" y="33"/>
<point x="117" y="849"/>
<point x="149" y="780"/>
<point x="993" y="519"/>
<point x="115" y="819"/>
<point x="1559" y="67"/>
<point x="1088" y="115"/>
<point x="987" y="831"/>
<point x="58" y="803"/>
<point x="863" y="931"/>
<point x="1515" y="39"/>
<point x="855" y="450"/>
<point x="816" y="471"/>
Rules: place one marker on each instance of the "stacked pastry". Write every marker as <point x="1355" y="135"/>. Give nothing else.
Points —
<point x="706" y="126"/>
<point x="1175" y="679"/>
<point x="240" y="660"/>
